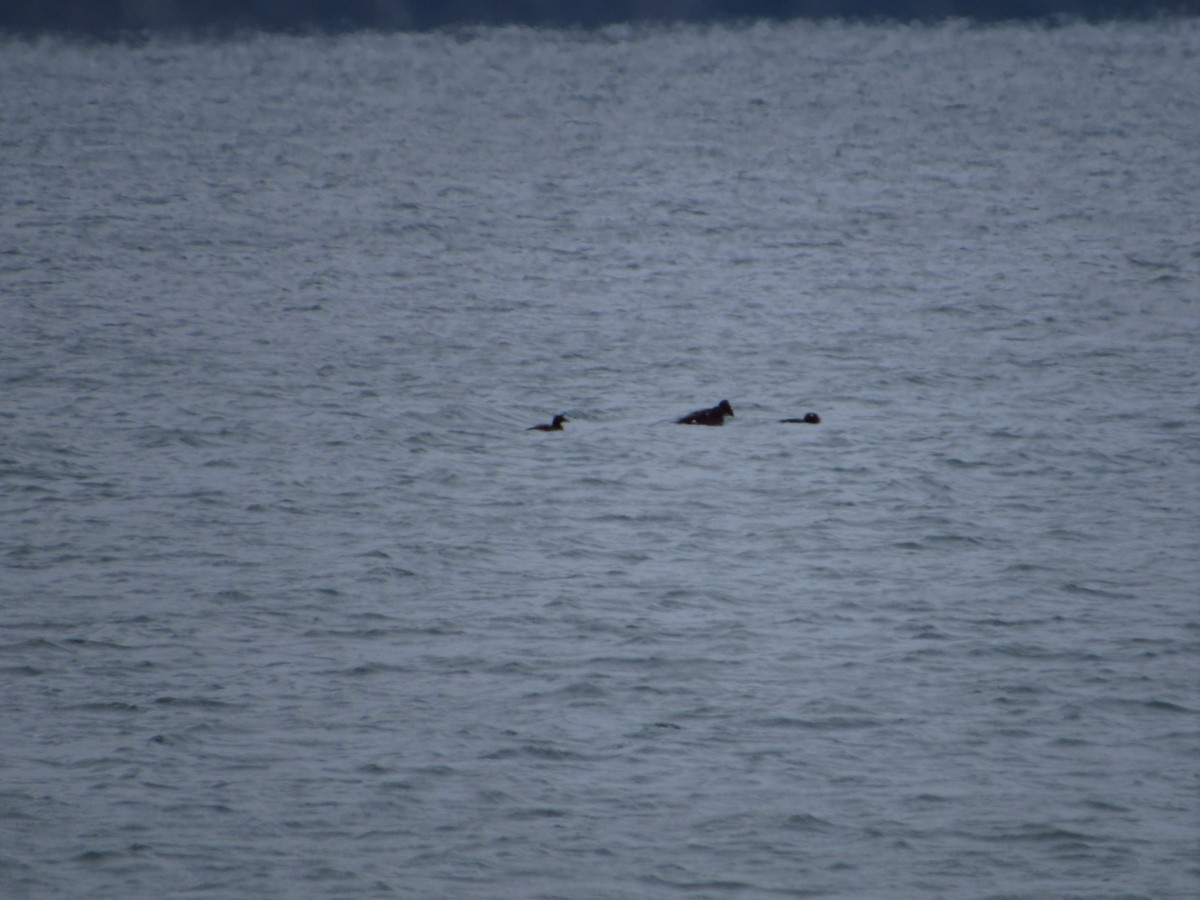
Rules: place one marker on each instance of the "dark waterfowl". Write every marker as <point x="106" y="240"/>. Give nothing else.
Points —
<point x="714" y="416"/>
<point x="809" y="419"/>
<point x="556" y="425"/>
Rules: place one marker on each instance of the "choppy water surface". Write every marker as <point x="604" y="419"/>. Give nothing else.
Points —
<point x="293" y="604"/>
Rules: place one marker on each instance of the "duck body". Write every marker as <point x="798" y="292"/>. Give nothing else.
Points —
<point x="809" y="419"/>
<point x="556" y="425"/>
<point x="712" y="416"/>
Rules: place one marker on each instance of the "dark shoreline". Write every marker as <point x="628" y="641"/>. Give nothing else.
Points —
<point x="114" y="18"/>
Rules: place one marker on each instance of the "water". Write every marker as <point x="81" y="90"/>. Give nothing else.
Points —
<point x="293" y="604"/>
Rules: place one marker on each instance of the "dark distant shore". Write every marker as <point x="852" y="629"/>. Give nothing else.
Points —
<point x="101" y="17"/>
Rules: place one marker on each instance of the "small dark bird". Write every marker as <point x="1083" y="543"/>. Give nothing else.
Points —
<point x="556" y="425"/>
<point x="714" y="416"/>
<point x="809" y="419"/>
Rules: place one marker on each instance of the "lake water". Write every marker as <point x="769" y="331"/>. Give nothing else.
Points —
<point x="293" y="605"/>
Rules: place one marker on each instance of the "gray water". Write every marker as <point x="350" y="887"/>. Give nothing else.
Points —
<point x="293" y="605"/>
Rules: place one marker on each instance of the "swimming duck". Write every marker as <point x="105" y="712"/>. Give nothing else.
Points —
<point x="714" y="416"/>
<point x="809" y="419"/>
<point x="556" y="425"/>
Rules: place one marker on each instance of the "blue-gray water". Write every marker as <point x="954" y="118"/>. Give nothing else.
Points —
<point x="294" y="606"/>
